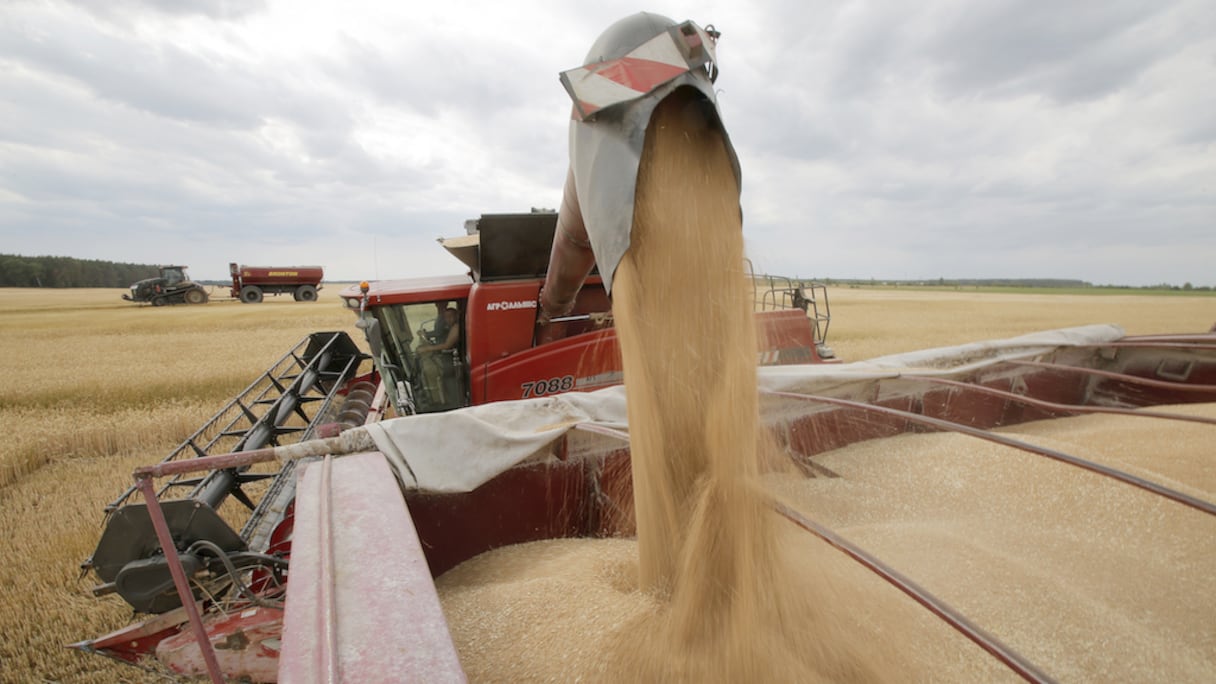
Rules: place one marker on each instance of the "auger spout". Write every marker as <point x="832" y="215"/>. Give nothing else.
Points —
<point x="635" y="64"/>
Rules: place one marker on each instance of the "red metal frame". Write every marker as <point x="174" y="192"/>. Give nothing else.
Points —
<point x="351" y="590"/>
<point x="179" y="577"/>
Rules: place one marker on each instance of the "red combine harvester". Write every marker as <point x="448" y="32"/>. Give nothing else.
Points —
<point x="250" y="284"/>
<point x="510" y="427"/>
<point x="502" y="353"/>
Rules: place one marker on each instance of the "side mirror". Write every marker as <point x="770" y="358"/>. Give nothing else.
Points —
<point x="371" y="328"/>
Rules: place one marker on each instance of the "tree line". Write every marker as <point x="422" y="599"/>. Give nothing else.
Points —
<point x="54" y="271"/>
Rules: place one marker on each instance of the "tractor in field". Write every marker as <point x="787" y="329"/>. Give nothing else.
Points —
<point x="172" y="286"/>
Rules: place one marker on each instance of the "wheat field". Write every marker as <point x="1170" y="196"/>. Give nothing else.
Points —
<point x="95" y="386"/>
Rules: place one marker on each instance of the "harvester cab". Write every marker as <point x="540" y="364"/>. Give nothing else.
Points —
<point x="172" y="286"/>
<point x="452" y="341"/>
<point x="419" y="350"/>
<point x="173" y="274"/>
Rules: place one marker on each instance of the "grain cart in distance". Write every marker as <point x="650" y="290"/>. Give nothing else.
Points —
<point x="251" y="284"/>
<point x="172" y="286"/>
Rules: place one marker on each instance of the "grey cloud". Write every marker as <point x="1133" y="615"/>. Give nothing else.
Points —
<point x="867" y="49"/>
<point x="999" y="49"/>
<point x="432" y="72"/>
<point x="514" y="116"/>
<point x="157" y="78"/>
<point x="166" y="81"/>
<point x="223" y="10"/>
<point x="784" y="124"/>
<point x="869" y="145"/>
<point x="1070" y="51"/>
<point x="965" y="138"/>
<point x="189" y="97"/>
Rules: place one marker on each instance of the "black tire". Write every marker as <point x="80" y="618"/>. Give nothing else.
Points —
<point x="159" y="301"/>
<point x="251" y="294"/>
<point x="306" y="293"/>
<point x="196" y="296"/>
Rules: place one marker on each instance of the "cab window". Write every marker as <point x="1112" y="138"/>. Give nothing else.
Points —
<point x="424" y="352"/>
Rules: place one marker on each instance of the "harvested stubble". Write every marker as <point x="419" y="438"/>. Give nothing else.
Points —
<point x="53" y="519"/>
<point x="867" y="323"/>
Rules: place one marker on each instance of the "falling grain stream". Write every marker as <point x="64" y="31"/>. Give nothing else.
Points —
<point x="1089" y="578"/>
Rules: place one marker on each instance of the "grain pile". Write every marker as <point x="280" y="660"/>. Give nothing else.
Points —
<point x="1090" y="578"/>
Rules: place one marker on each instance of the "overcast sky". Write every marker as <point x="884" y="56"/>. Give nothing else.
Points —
<point x="882" y="138"/>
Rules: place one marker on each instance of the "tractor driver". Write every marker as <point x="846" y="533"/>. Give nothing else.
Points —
<point x="434" y="363"/>
<point x="440" y="331"/>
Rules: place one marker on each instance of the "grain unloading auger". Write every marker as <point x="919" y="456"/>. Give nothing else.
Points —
<point x="632" y="67"/>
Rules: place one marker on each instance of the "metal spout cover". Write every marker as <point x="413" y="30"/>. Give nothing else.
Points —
<point x="606" y="145"/>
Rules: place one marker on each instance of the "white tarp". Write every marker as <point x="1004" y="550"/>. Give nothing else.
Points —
<point x="942" y="361"/>
<point x="460" y="450"/>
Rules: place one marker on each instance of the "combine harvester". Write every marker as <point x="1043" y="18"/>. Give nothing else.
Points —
<point x="518" y="433"/>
